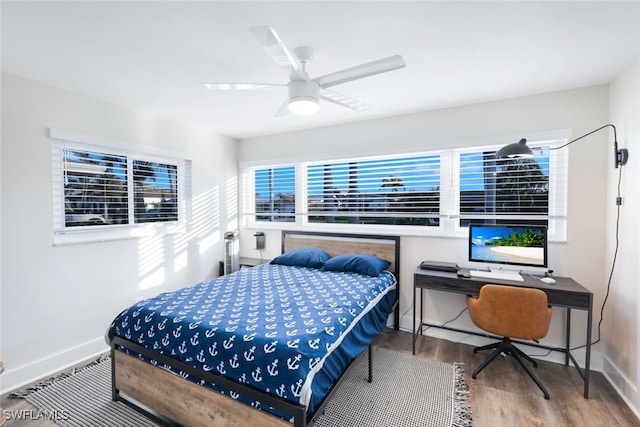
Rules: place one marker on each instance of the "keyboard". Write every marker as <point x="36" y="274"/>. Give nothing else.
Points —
<point x="500" y="275"/>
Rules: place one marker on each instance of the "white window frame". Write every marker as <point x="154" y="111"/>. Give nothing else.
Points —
<point x="248" y="196"/>
<point x="62" y="235"/>
<point x="558" y="180"/>
<point x="449" y="189"/>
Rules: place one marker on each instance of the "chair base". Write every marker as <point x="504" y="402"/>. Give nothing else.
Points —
<point x="506" y="346"/>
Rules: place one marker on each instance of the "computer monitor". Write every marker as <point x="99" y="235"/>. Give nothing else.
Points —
<point x="520" y="245"/>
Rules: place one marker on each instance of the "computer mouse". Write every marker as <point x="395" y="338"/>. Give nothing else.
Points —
<point x="548" y="280"/>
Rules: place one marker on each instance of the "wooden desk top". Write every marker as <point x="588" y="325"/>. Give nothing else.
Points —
<point x="566" y="292"/>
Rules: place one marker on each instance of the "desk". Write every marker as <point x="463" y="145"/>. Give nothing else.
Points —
<point x="565" y="293"/>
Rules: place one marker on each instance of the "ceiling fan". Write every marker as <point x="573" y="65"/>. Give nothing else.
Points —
<point x="305" y="92"/>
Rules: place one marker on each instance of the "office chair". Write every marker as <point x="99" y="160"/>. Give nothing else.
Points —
<point x="511" y="312"/>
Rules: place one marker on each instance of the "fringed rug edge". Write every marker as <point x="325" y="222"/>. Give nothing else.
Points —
<point x="28" y="391"/>
<point x="461" y="406"/>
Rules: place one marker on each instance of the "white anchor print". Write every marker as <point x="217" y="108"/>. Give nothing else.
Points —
<point x="315" y="343"/>
<point x="249" y="354"/>
<point x="294" y="364"/>
<point x="272" y="368"/>
<point x="233" y="362"/>
<point x="228" y="343"/>
<point x="194" y="339"/>
<point x="177" y="332"/>
<point x="296" y="388"/>
<point x="270" y="347"/>
<point x="256" y="375"/>
<point x="213" y="351"/>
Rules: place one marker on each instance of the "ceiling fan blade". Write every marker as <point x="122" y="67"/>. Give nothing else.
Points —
<point x="276" y="49"/>
<point x="241" y="86"/>
<point x="360" y="71"/>
<point x="343" y="100"/>
<point x="283" y="110"/>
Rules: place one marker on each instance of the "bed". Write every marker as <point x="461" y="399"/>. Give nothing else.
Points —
<point x="267" y="345"/>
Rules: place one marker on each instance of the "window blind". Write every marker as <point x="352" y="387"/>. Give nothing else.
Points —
<point x="155" y="192"/>
<point x="396" y="190"/>
<point x="102" y="188"/>
<point x="520" y="190"/>
<point x="443" y="190"/>
<point x="275" y="194"/>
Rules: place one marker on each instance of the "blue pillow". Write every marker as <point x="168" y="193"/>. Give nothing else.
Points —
<point x="357" y="263"/>
<point x="302" y="257"/>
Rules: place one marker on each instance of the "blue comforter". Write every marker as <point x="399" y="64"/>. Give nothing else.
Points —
<point x="270" y="326"/>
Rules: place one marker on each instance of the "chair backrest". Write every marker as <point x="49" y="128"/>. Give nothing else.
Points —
<point x="511" y="311"/>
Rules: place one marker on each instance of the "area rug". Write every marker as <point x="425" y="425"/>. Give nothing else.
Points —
<point x="406" y="391"/>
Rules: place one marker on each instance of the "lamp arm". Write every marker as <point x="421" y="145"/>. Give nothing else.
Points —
<point x="621" y="155"/>
<point x="615" y="138"/>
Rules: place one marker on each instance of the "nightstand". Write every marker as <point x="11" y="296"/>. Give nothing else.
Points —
<point x="252" y="262"/>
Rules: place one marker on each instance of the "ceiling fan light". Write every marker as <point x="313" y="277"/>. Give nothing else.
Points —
<point x="304" y="105"/>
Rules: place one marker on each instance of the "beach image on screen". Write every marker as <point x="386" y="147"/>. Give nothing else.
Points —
<point x="510" y="245"/>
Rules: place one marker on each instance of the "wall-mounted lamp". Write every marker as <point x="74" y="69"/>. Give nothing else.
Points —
<point x="520" y="148"/>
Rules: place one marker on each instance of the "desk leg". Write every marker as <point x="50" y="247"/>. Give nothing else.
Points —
<point x="421" y="300"/>
<point x="587" y="359"/>
<point x="567" y="338"/>
<point x="413" y="335"/>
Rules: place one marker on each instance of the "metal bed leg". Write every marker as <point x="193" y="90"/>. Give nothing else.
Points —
<point x="370" y="364"/>
<point x="114" y="392"/>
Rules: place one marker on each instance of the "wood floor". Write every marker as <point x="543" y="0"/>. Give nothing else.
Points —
<point x="502" y="395"/>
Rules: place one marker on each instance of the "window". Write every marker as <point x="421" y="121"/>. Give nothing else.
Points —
<point x="110" y="188"/>
<point x="275" y="194"/>
<point x="155" y="191"/>
<point x="440" y="191"/>
<point x="503" y="191"/>
<point x="95" y="188"/>
<point x="391" y="191"/>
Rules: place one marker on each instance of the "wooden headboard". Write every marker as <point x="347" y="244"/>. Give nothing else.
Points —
<point x="382" y="246"/>
<point x="385" y="247"/>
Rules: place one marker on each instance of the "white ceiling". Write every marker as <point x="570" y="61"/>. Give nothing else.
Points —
<point x="153" y="55"/>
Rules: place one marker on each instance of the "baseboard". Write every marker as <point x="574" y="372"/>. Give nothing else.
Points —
<point x="15" y="378"/>
<point x="627" y="390"/>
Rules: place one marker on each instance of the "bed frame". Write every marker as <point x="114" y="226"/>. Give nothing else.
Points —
<point x="172" y="400"/>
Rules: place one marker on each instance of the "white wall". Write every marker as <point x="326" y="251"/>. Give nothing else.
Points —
<point x="621" y="331"/>
<point x="43" y="287"/>
<point x="57" y="302"/>
<point x="588" y="253"/>
<point x="581" y="257"/>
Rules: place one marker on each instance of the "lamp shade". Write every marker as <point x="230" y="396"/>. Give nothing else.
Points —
<point x="517" y="149"/>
